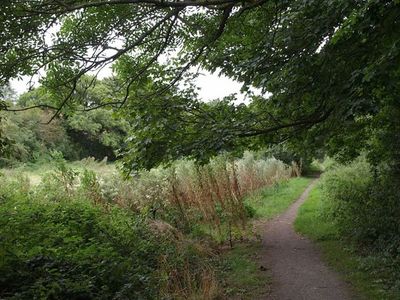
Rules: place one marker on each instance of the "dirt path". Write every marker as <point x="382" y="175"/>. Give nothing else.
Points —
<point x="295" y="264"/>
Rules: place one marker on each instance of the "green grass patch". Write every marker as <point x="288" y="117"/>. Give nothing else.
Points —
<point x="271" y="201"/>
<point x="364" y="273"/>
<point x="243" y="278"/>
<point x="311" y="222"/>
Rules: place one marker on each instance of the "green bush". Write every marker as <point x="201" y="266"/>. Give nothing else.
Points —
<point x="71" y="249"/>
<point x="365" y="205"/>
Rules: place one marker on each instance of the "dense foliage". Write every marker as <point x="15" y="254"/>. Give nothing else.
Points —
<point x="331" y="61"/>
<point x="72" y="250"/>
<point x="31" y="138"/>
<point x="330" y="65"/>
<point x="365" y="209"/>
<point x="365" y="206"/>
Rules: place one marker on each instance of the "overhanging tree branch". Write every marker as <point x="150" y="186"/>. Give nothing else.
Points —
<point x="300" y="123"/>
<point x="52" y="7"/>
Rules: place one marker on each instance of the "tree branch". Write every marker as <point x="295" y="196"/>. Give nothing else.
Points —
<point x="48" y="8"/>
<point x="29" y="108"/>
<point x="304" y="122"/>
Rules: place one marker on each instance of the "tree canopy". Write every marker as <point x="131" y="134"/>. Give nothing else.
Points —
<point x="333" y="67"/>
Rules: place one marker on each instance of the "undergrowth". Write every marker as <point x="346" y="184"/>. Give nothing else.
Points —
<point x="70" y="248"/>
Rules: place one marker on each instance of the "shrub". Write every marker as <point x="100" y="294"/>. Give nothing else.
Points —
<point x="70" y="250"/>
<point x="365" y="205"/>
<point x="85" y="235"/>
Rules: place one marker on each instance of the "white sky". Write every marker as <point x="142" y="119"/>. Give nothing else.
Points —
<point x="213" y="86"/>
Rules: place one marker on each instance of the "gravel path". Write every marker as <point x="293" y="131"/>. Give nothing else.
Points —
<point x="297" y="269"/>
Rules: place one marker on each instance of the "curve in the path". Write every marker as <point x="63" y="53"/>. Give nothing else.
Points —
<point x="297" y="269"/>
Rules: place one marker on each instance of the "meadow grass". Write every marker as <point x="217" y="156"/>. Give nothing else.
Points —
<point x="35" y="171"/>
<point x="271" y="201"/>
<point x="340" y="254"/>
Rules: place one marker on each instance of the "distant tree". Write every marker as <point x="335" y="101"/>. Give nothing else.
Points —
<point x="7" y="96"/>
<point x="78" y="132"/>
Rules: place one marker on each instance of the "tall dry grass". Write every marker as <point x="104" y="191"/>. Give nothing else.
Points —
<point x="188" y="194"/>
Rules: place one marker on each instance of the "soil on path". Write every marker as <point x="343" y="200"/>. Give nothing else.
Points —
<point x="295" y="264"/>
